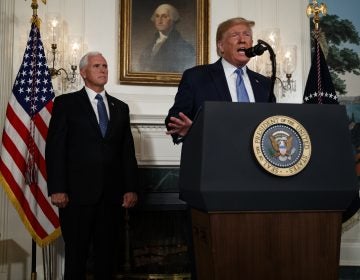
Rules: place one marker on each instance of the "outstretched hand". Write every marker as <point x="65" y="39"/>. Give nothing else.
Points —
<point x="179" y="125"/>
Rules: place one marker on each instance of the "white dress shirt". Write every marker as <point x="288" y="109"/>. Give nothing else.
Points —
<point x="92" y="94"/>
<point x="231" y="80"/>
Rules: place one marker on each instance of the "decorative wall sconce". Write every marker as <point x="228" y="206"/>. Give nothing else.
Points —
<point x="63" y="55"/>
<point x="285" y="62"/>
<point x="288" y="65"/>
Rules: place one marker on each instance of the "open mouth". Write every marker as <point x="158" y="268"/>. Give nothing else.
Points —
<point x="241" y="50"/>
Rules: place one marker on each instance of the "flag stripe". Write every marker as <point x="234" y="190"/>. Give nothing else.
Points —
<point x="17" y="159"/>
<point x="16" y="190"/>
<point x="18" y="123"/>
<point x="20" y="117"/>
<point x="50" y="211"/>
<point x="46" y="208"/>
<point x="24" y="133"/>
<point x="17" y="177"/>
<point x="41" y="125"/>
<point x="49" y="107"/>
<point x="16" y="156"/>
<point x="28" y="194"/>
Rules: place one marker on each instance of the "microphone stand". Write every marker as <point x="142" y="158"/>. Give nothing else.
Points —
<point x="272" y="98"/>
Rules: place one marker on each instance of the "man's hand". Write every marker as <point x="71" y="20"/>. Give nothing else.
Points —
<point x="179" y="125"/>
<point x="59" y="199"/>
<point x="130" y="199"/>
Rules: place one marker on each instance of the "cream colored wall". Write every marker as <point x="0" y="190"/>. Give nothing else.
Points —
<point x="98" y="22"/>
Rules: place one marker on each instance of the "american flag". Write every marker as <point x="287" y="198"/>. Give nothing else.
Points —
<point x="22" y="154"/>
<point x="319" y="87"/>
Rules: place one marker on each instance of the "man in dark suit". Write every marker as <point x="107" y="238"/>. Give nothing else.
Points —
<point x="217" y="81"/>
<point x="91" y="169"/>
<point x="168" y="51"/>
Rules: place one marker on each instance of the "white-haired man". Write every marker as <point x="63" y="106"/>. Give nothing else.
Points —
<point x="91" y="169"/>
<point x="168" y="51"/>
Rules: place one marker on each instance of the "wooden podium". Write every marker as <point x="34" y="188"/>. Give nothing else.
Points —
<point x="250" y="224"/>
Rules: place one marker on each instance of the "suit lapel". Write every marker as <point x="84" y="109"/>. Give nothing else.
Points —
<point x="218" y="75"/>
<point x="257" y="87"/>
<point x="88" y="109"/>
<point x="112" y="113"/>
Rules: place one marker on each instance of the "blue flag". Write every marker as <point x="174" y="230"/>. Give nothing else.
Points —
<point x="319" y="87"/>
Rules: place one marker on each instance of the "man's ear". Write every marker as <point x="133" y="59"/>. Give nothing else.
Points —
<point x="220" y="46"/>
<point x="82" y="74"/>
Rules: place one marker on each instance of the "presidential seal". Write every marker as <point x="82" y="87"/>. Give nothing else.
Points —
<point x="282" y="145"/>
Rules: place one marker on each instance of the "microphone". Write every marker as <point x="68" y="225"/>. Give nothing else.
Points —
<point x="256" y="50"/>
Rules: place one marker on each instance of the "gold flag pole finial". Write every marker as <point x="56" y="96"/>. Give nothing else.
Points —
<point x="35" y="19"/>
<point x="314" y="10"/>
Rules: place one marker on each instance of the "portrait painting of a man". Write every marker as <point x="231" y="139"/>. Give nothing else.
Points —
<point x="159" y="40"/>
<point x="163" y="38"/>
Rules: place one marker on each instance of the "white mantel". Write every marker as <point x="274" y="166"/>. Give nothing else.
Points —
<point x="98" y="22"/>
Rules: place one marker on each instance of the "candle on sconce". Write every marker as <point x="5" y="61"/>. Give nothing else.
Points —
<point x="64" y="51"/>
<point x="288" y="64"/>
<point x="289" y="59"/>
<point x="54" y="23"/>
<point x="75" y="47"/>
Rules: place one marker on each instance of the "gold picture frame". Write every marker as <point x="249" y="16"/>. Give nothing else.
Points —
<point x="137" y="33"/>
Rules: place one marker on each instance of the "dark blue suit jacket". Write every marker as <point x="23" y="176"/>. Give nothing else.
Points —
<point x="82" y="163"/>
<point x="208" y="83"/>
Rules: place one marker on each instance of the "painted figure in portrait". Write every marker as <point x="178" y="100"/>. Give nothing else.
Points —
<point x="168" y="51"/>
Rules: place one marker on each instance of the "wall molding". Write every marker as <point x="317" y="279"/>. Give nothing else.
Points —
<point x="154" y="147"/>
<point x="7" y="8"/>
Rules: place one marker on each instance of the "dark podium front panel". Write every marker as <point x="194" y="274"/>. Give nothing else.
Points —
<point x="219" y="171"/>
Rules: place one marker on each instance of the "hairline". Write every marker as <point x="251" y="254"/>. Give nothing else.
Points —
<point x="224" y="26"/>
<point x="173" y="12"/>
<point x="85" y="59"/>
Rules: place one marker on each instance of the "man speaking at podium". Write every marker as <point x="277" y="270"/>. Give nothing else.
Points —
<point x="228" y="79"/>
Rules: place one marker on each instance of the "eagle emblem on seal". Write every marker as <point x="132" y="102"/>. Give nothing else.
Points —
<point x="281" y="142"/>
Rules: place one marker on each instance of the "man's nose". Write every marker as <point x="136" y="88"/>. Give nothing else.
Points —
<point x="241" y="39"/>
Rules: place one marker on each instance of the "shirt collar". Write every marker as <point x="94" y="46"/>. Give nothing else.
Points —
<point x="92" y="94"/>
<point x="162" y="37"/>
<point x="229" y="69"/>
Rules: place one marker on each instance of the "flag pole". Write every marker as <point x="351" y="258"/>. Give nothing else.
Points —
<point x="36" y="20"/>
<point x="34" y="6"/>
<point x="315" y="10"/>
<point x="33" y="260"/>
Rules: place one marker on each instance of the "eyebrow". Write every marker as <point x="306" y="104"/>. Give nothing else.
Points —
<point x="248" y="32"/>
<point x="98" y="64"/>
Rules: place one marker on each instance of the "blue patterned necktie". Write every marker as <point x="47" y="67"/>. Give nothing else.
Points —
<point x="241" y="92"/>
<point x="103" y="117"/>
